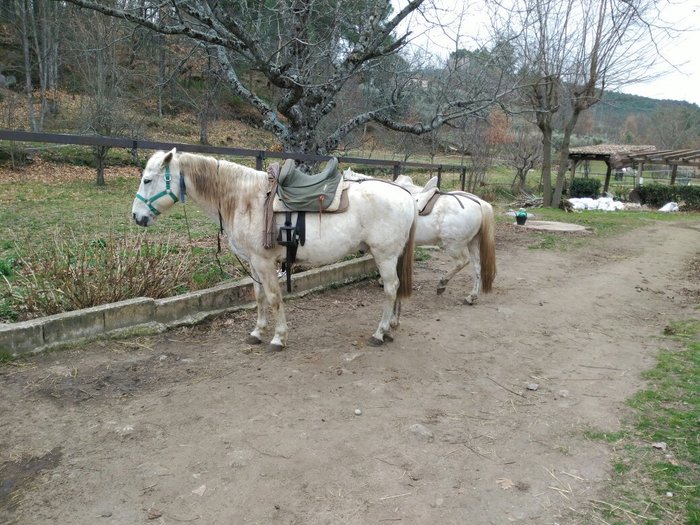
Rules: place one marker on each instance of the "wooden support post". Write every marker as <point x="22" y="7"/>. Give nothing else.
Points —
<point x="607" y="176"/>
<point x="397" y="171"/>
<point x="463" y="177"/>
<point x="439" y="176"/>
<point x="674" y="171"/>
<point x="638" y="178"/>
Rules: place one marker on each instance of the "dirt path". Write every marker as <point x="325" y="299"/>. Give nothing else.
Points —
<point x="193" y="426"/>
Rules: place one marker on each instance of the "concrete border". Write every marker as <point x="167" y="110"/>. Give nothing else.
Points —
<point x="145" y="315"/>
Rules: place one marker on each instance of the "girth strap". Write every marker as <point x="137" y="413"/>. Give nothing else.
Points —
<point x="292" y="236"/>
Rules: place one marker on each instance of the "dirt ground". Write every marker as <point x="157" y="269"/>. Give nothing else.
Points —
<point x="438" y="427"/>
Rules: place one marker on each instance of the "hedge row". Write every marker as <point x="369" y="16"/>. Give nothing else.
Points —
<point x="585" y="187"/>
<point x="656" y="195"/>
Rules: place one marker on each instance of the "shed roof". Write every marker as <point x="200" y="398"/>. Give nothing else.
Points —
<point x="620" y="155"/>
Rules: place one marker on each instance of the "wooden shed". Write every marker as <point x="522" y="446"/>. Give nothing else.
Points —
<point x="624" y="155"/>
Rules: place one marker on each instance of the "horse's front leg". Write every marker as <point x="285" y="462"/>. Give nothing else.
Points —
<point x="387" y="271"/>
<point x="255" y="337"/>
<point x="267" y="273"/>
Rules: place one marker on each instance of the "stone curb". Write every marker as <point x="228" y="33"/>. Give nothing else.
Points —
<point x="145" y="315"/>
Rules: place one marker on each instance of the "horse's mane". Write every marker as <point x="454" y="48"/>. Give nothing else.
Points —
<point x="223" y="183"/>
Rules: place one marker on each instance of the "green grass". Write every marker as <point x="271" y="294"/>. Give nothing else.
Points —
<point x="650" y="485"/>
<point x="32" y="213"/>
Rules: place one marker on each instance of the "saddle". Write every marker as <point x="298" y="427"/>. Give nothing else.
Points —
<point x="294" y="191"/>
<point x="300" y="191"/>
<point x="427" y="198"/>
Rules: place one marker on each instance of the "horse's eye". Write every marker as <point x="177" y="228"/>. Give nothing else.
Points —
<point x="147" y="181"/>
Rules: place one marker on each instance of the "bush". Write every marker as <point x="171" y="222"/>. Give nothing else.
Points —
<point x="67" y="274"/>
<point x="656" y="195"/>
<point x="585" y="187"/>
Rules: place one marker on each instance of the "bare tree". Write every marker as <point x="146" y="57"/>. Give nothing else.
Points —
<point x="93" y="49"/>
<point x="525" y="154"/>
<point x="570" y="53"/>
<point x="309" y="52"/>
<point x="38" y="31"/>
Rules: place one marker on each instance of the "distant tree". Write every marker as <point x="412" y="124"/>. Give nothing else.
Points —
<point x="524" y="154"/>
<point x="308" y="52"/>
<point x="569" y="54"/>
<point x="94" y="52"/>
<point x="37" y="28"/>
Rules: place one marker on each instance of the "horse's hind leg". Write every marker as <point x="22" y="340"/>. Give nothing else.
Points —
<point x="396" y="315"/>
<point x="475" y="256"/>
<point x="460" y="259"/>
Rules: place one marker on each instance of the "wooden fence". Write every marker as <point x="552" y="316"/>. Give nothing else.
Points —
<point x="134" y="145"/>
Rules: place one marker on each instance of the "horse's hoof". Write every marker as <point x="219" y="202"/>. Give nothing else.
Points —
<point x="440" y="289"/>
<point x="469" y="300"/>
<point x="275" y="347"/>
<point x="373" y="341"/>
<point x="388" y="338"/>
<point x="252" y="340"/>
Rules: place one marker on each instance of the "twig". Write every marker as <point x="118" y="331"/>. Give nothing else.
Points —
<point x="603" y="367"/>
<point x="395" y="496"/>
<point x="504" y="388"/>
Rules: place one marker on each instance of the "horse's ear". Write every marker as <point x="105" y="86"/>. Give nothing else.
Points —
<point x="169" y="156"/>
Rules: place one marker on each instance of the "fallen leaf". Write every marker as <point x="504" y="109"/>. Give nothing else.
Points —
<point x="505" y="483"/>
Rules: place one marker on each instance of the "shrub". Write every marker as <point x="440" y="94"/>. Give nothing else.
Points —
<point x="656" y="195"/>
<point x="66" y="274"/>
<point x="584" y="187"/>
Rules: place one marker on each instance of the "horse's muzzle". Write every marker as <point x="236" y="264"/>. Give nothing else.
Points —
<point x="142" y="220"/>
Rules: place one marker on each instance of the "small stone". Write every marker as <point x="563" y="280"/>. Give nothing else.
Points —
<point x="669" y="494"/>
<point x="421" y="431"/>
<point x="660" y="445"/>
<point x="358" y="412"/>
<point x="532" y="386"/>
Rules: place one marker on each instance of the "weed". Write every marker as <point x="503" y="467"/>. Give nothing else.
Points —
<point x="68" y="273"/>
<point x="655" y="476"/>
<point x="421" y="254"/>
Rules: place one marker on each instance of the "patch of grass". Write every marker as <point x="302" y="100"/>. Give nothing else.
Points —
<point x="656" y="474"/>
<point x="544" y="241"/>
<point x="66" y="273"/>
<point x="6" y="357"/>
<point x="421" y="254"/>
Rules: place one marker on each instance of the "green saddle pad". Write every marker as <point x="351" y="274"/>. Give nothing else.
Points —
<point x="301" y="191"/>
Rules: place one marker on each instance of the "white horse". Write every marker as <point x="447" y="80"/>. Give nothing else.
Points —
<point x="463" y="225"/>
<point x="380" y="219"/>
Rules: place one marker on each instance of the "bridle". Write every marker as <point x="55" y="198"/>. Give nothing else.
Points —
<point x="167" y="192"/>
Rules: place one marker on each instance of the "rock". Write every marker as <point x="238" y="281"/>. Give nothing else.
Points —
<point x="421" y="431"/>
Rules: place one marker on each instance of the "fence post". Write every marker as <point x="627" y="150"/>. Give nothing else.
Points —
<point x="463" y="177"/>
<point x="259" y="158"/>
<point x="439" y="175"/>
<point x="397" y="171"/>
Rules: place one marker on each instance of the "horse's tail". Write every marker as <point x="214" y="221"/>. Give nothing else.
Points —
<point x="404" y="266"/>
<point x="487" y="247"/>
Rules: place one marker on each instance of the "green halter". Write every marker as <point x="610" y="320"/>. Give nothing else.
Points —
<point x="167" y="192"/>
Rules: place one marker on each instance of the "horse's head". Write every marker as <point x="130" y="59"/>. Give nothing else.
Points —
<point x="156" y="194"/>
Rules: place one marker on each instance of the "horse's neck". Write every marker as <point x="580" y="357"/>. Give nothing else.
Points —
<point x="221" y="187"/>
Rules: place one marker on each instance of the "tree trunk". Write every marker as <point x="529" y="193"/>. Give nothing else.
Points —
<point x="22" y="7"/>
<point x="546" y="164"/>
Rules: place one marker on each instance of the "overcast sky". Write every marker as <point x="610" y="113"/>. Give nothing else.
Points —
<point x="682" y="51"/>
